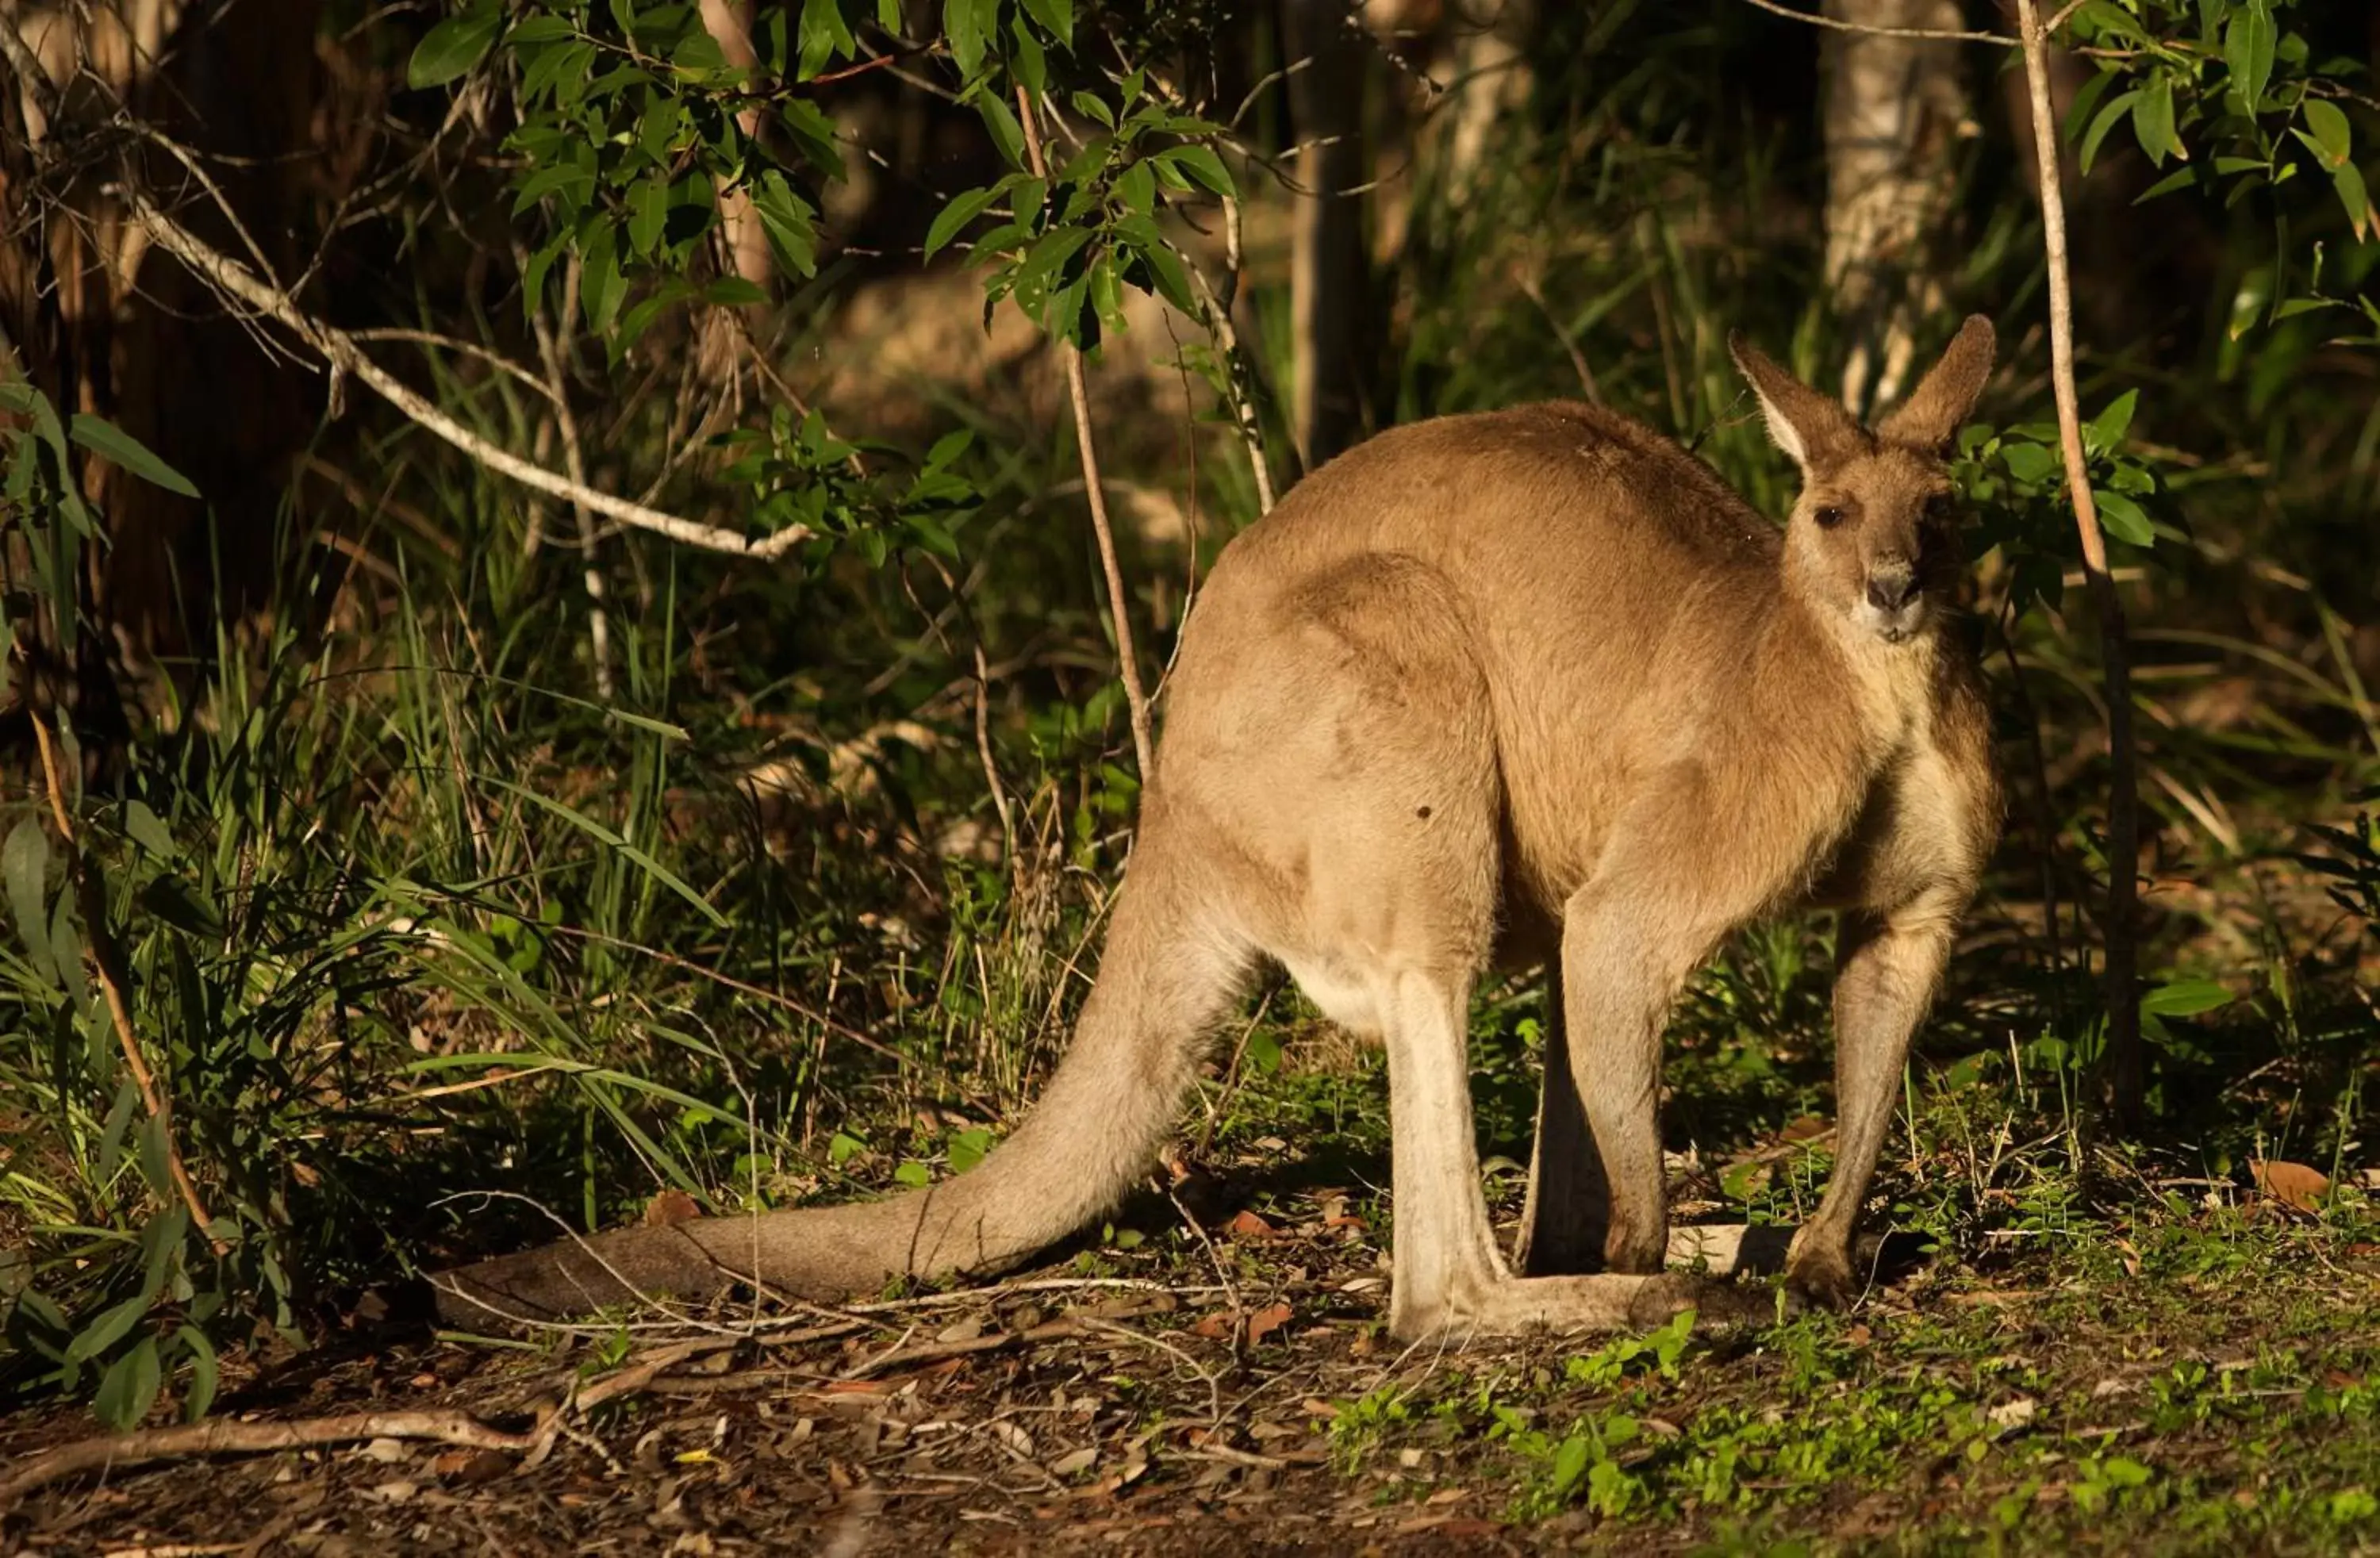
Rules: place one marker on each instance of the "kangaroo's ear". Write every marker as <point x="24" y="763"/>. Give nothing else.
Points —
<point x="1806" y="424"/>
<point x="1931" y="417"/>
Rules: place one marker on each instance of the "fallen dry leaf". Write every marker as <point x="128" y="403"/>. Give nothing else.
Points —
<point x="1248" y="1225"/>
<point x="671" y="1206"/>
<point x="1265" y="1321"/>
<point x="2013" y="1413"/>
<point x="1215" y="1327"/>
<point x="2294" y="1185"/>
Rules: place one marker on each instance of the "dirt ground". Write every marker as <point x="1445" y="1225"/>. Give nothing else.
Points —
<point x="2182" y="1378"/>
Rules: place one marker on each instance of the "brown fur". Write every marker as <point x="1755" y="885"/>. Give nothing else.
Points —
<point x="1529" y="684"/>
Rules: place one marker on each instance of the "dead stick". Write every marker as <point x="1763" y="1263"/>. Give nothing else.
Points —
<point x="104" y="957"/>
<point x="225" y="1437"/>
<point x="935" y="1352"/>
<point x="337" y="348"/>
<point x="1143" y="748"/>
<point x="2122" y="1060"/>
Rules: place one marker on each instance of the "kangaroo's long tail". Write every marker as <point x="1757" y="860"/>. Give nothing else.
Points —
<point x="1169" y="973"/>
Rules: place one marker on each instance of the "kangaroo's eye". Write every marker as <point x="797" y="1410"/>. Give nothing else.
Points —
<point x="1940" y="507"/>
<point x="1828" y="517"/>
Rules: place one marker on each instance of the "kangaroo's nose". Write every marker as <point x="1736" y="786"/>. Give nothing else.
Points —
<point x="1889" y="589"/>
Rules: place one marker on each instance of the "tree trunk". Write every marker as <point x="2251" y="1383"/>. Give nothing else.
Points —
<point x="1330" y="271"/>
<point x="1491" y="78"/>
<point x="1895" y="111"/>
<point x="103" y="332"/>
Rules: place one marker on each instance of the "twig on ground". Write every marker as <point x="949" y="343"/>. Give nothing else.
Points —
<point x="1144" y="746"/>
<point x="224" y="1437"/>
<point x="106" y="957"/>
<point x="935" y="1352"/>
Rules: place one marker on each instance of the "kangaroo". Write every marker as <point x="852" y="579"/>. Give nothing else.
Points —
<point x="1523" y="686"/>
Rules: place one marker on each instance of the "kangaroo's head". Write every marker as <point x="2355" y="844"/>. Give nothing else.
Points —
<point x="1873" y="538"/>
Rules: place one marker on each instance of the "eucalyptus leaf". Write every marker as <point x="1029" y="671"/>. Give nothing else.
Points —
<point x="119" y="447"/>
<point x="451" y="48"/>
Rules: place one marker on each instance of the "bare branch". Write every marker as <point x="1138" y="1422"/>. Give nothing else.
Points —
<point x="339" y="349"/>
<point x="1836" y="24"/>
<point x="493" y="359"/>
<point x="2124" y="1060"/>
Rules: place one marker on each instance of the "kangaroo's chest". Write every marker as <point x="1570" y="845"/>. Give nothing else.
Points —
<point x="1927" y="816"/>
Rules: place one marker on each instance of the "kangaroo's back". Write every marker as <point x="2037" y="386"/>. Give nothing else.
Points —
<point x="1605" y="585"/>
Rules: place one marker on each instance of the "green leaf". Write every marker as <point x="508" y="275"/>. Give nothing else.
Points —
<point x="2247" y="45"/>
<point x="735" y="292"/>
<point x="454" y="46"/>
<point x="967" y="24"/>
<point x="119" y="447"/>
<point x="824" y="36"/>
<point x="567" y="179"/>
<point x="2185" y="998"/>
<point x="2030" y="462"/>
<point x="2295" y="306"/>
<point x="1570" y="1465"/>
<point x="2348" y="180"/>
<point x="2332" y="137"/>
<point x="179" y="904"/>
<point x="112" y="1326"/>
<point x="24" y="862"/>
<point x="130" y="1387"/>
<point x="1136" y="187"/>
<point x="204" y="1372"/>
<point x="2122" y="518"/>
<point x="2106" y="430"/>
<point x="963" y="208"/>
<point x="841" y="1148"/>
<point x="1002" y="122"/>
<point x="647" y="212"/>
<point x="785" y="217"/>
<point x="1091" y="105"/>
<point x="2114" y="114"/>
<point x="1056" y="16"/>
<point x="2153" y="123"/>
<point x="967" y="1148"/>
<point x="814" y="132"/>
<point x="1201" y="163"/>
<point x="914" y="1175"/>
<point x="1028" y="66"/>
<point x="601" y="284"/>
<point x="147" y="831"/>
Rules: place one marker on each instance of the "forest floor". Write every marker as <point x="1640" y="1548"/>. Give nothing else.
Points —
<point x="2193" y="1371"/>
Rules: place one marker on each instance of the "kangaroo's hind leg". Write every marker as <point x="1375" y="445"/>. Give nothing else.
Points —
<point x="1372" y="784"/>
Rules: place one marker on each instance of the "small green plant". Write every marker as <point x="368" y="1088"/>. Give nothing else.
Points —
<point x="1359" y="1426"/>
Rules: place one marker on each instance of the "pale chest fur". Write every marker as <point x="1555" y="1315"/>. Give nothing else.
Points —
<point x="1928" y="810"/>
